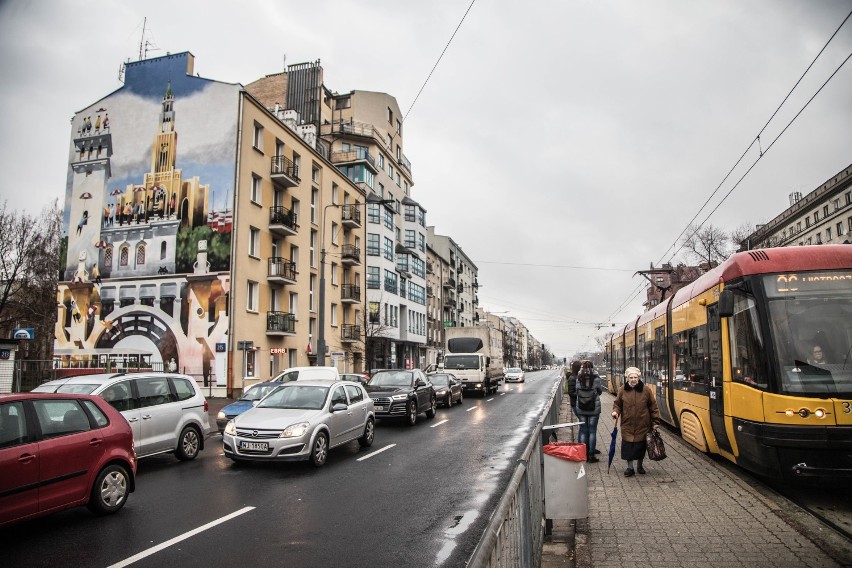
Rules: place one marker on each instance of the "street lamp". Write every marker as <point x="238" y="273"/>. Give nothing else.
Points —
<point x="321" y="347"/>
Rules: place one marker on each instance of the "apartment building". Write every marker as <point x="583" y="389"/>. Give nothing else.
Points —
<point x="361" y="132"/>
<point x="823" y="216"/>
<point x="460" y="284"/>
<point x="206" y="255"/>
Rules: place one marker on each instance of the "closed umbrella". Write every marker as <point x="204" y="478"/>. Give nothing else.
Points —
<point x="612" y="445"/>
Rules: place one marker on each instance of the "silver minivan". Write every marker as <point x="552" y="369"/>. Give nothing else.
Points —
<point x="166" y="411"/>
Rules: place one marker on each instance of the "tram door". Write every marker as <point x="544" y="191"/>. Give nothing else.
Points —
<point x="714" y="376"/>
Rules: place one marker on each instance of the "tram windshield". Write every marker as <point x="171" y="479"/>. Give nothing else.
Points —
<point x="810" y="317"/>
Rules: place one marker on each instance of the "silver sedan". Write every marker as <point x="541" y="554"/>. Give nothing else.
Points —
<point x="302" y="420"/>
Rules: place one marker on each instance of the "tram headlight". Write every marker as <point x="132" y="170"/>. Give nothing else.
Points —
<point x="819" y="413"/>
<point x="804" y="413"/>
<point x="790" y="412"/>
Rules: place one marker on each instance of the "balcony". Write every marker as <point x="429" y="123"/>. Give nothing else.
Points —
<point x="353" y="157"/>
<point x="429" y="292"/>
<point x="450" y="283"/>
<point x="282" y="221"/>
<point x="280" y="323"/>
<point x="350" y="255"/>
<point x="449" y="303"/>
<point x="350" y="333"/>
<point x="350" y="294"/>
<point x="281" y="271"/>
<point x="350" y="216"/>
<point x="404" y="163"/>
<point x="284" y="172"/>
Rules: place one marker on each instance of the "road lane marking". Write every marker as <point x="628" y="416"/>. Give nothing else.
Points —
<point x="179" y="538"/>
<point x="439" y="423"/>
<point x="502" y="394"/>
<point x="471" y="408"/>
<point x="371" y="454"/>
<point x="490" y="399"/>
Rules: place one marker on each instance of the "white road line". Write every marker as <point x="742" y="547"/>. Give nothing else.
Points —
<point x="439" y="423"/>
<point x="502" y="394"/>
<point x="389" y="446"/>
<point x="490" y="399"/>
<point x="175" y="540"/>
<point x="471" y="408"/>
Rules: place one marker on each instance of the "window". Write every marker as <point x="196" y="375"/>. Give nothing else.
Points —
<point x="410" y="238"/>
<point x="819" y="238"/>
<point x="828" y="234"/>
<point x="373" y="244"/>
<point x="254" y="242"/>
<point x="816" y="217"/>
<point x="183" y="388"/>
<point x="388" y="217"/>
<point x="315" y="174"/>
<point x="251" y="296"/>
<point x="355" y="394"/>
<point x="807" y="222"/>
<point x="840" y="229"/>
<point x="314" y="198"/>
<point x="256" y="190"/>
<point x="391" y="281"/>
<point x="421" y="242"/>
<point x="373" y="281"/>
<point x="825" y="211"/>
<point x="335" y="189"/>
<point x="381" y="161"/>
<point x="837" y="204"/>
<point x="399" y="127"/>
<point x="313" y="248"/>
<point x="154" y="391"/>
<point x="334" y="237"/>
<point x="333" y="274"/>
<point x="333" y="314"/>
<point x="140" y="255"/>
<point x="257" y="137"/>
<point x="313" y="286"/>
<point x="388" y="249"/>
<point x="373" y="213"/>
<point x="162" y="252"/>
<point x="108" y="257"/>
<point x="374" y="312"/>
<point x="390" y="115"/>
<point x="60" y="417"/>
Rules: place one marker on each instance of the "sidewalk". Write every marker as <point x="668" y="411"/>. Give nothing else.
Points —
<point x="687" y="511"/>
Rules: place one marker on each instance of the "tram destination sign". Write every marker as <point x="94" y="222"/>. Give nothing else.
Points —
<point x="792" y="283"/>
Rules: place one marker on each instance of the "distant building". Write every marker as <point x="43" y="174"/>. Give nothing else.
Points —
<point x="669" y="280"/>
<point x="822" y="216"/>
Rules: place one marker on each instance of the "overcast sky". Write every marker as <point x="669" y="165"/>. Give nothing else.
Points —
<point x="563" y="144"/>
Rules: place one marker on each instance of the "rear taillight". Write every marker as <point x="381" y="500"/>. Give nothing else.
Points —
<point x="206" y="406"/>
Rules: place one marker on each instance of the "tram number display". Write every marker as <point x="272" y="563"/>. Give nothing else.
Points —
<point x="846" y="406"/>
<point x="781" y="284"/>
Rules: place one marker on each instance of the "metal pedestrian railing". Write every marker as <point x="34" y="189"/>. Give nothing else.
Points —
<point x="514" y="537"/>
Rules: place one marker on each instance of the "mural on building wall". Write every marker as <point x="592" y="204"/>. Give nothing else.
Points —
<point x="148" y="222"/>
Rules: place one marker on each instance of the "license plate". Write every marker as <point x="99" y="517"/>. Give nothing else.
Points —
<point x="379" y="408"/>
<point x="257" y="446"/>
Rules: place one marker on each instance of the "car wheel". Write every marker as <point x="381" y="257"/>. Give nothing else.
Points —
<point x="189" y="444"/>
<point x="461" y="397"/>
<point x="411" y="415"/>
<point x="109" y="493"/>
<point x="449" y="400"/>
<point x="319" y="452"/>
<point x="369" y="433"/>
<point x="433" y="406"/>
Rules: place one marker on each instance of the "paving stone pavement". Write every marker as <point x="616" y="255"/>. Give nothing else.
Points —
<point x="686" y="511"/>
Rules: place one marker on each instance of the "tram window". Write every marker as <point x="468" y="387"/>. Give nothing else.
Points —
<point x="748" y="350"/>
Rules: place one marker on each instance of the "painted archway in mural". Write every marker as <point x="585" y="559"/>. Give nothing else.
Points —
<point x="145" y="324"/>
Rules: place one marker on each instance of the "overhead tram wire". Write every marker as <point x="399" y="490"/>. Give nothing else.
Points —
<point x="438" y="61"/>
<point x="632" y="295"/>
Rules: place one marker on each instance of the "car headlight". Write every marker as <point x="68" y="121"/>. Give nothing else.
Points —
<point x="441" y="392"/>
<point x="295" y="430"/>
<point x="231" y="428"/>
<point x="221" y="415"/>
<point x="399" y="397"/>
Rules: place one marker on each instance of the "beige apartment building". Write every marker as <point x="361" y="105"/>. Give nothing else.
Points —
<point x="292" y="204"/>
<point x="823" y="216"/>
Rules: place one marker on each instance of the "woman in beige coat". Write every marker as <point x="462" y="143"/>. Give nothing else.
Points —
<point x="637" y="407"/>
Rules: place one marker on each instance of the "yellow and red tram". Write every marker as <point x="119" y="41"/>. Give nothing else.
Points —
<point x="731" y="359"/>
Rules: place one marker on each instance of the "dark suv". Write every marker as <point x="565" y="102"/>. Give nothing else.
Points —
<point x="402" y="393"/>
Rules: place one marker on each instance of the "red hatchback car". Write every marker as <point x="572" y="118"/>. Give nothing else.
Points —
<point x="58" y="451"/>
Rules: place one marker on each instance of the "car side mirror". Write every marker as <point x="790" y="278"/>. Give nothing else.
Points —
<point x="254" y="402"/>
<point x="339" y="407"/>
<point x="726" y="304"/>
<point x="419" y="383"/>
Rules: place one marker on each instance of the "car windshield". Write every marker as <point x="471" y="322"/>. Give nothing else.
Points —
<point x="295" y="396"/>
<point x="77" y="389"/>
<point x="440" y="380"/>
<point x="392" y="379"/>
<point x="257" y="392"/>
<point x="514" y="370"/>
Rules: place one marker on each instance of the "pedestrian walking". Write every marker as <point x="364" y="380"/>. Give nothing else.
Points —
<point x="571" y="383"/>
<point x="588" y="407"/>
<point x="637" y="407"/>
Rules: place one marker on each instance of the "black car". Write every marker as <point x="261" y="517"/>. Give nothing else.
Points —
<point x="402" y="393"/>
<point x="448" y="388"/>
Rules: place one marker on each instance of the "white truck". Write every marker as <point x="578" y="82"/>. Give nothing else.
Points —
<point x="474" y="357"/>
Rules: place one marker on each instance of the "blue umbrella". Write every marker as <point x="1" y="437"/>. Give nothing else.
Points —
<point x="612" y="445"/>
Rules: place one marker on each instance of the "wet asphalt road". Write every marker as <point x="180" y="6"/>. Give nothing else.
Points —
<point x="423" y="501"/>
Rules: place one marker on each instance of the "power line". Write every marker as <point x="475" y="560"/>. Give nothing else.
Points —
<point x="553" y="266"/>
<point x="438" y="61"/>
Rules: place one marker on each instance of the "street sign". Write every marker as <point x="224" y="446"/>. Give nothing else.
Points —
<point x="337" y="354"/>
<point x="221" y="347"/>
<point x="245" y="345"/>
<point x="24" y="333"/>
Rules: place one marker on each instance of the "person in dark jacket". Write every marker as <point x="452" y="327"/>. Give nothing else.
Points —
<point x="571" y="383"/>
<point x="637" y="407"/>
<point x="589" y="418"/>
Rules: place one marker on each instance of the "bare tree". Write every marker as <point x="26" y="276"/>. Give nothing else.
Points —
<point x="739" y="236"/>
<point x="29" y="249"/>
<point x="708" y="245"/>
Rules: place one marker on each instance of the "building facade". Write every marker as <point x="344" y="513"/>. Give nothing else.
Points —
<point x="823" y="216"/>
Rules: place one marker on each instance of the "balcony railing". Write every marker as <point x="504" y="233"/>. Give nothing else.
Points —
<point x="283" y="221"/>
<point x="350" y="333"/>
<point x="284" y="172"/>
<point x="350" y="156"/>
<point x="281" y="270"/>
<point x="280" y="323"/>
<point x="350" y="254"/>
<point x="350" y="293"/>
<point x="350" y="216"/>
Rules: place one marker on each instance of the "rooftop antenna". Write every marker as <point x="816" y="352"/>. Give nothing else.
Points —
<point x="142" y="39"/>
<point x="144" y="45"/>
